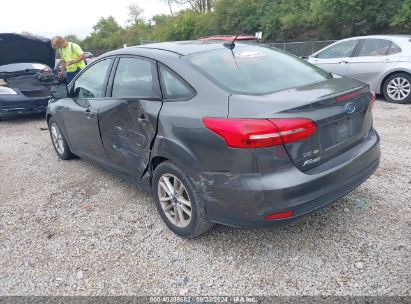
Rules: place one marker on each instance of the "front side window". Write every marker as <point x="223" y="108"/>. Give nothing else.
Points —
<point x="91" y="83"/>
<point x="173" y="86"/>
<point x="374" y="47"/>
<point x="340" y="50"/>
<point x="255" y="70"/>
<point x="134" y="78"/>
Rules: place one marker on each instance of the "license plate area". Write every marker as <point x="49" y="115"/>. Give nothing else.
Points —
<point x="341" y="131"/>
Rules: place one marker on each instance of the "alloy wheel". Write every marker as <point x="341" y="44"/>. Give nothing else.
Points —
<point x="399" y="88"/>
<point x="174" y="200"/>
<point x="57" y="138"/>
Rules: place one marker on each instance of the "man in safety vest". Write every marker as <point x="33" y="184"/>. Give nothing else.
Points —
<point x="72" y="57"/>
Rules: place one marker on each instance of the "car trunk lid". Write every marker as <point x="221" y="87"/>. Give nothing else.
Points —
<point x="339" y="107"/>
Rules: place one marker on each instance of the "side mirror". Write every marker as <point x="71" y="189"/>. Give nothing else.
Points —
<point x="304" y="57"/>
<point x="59" y="92"/>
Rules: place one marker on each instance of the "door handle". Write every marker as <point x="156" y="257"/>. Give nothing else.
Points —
<point x="343" y="62"/>
<point x="89" y="114"/>
<point x="142" y="119"/>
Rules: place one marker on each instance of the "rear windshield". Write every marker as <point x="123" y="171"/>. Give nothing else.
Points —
<point x="256" y="70"/>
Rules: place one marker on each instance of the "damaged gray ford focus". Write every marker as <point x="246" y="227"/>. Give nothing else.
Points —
<point x="219" y="133"/>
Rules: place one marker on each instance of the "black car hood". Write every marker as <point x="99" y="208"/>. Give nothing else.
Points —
<point x="16" y="48"/>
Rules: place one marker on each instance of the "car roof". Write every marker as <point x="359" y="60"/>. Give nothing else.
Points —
<point x="181" y="48"/>
<point x="381" y="36"/>
<point x="228" y="37"/>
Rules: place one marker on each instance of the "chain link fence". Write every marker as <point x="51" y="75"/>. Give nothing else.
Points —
<point x="302" y="48"/>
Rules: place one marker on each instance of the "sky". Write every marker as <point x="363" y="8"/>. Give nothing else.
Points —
<point x="61" y="17"/>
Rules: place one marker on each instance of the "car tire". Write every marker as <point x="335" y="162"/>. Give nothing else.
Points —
<point x="396" y="86"/>
<point x="183" y="211"/>
<point x="59" y="141"/>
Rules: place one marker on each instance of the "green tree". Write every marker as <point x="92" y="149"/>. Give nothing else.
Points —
<point x="343" y="18"/>
<point x="106" y="27"/>
<point x="135" y="14"/>
<point x="401" y="21"/>
<point x="72" y="38"/>
<point x="200" y="6"/>
<point x="239" y="16"/>
<point x="279" y="20"/>
<point x="163" y="29"/>
<point x="138" y="29"/>
<point x="270" y="23"/>
<point x="107" y="35"/>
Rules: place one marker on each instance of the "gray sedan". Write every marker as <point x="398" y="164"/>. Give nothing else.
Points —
<point x="383" y="61"/>
<point x="218" y="133"/>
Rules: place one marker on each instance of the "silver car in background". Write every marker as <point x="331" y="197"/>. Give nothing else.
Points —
<point x="88" y="54"/>
<point x="383" y="61"/>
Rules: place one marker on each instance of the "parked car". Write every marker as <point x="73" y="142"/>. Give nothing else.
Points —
<point x="248" y="39"/>
<point x="26" y="74"/>
<point x="88" y="54"/>
<point x="383" y="61"/>
<point x="239" y="135"/>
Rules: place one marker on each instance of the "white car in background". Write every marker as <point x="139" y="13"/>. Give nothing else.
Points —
<point x="88" y="54"/>
<point x="383" y="61"/>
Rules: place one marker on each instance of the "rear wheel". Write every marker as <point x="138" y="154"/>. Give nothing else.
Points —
<point x="59" y="142"/>
<point x="397" y="88"/>
<point x="178" y="202"/>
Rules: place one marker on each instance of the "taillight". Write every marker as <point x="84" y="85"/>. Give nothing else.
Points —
<point x="244" y="133"/>
<point x="257" y="133"/>
<point x="372" y="101"/>
<point x="280" y="215"/>
<point x="294" y="129"/>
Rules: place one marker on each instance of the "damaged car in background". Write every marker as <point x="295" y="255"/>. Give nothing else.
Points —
<point x="26" y="74"/>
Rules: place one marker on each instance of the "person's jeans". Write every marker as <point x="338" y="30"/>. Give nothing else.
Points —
<point x="71" y="75"/>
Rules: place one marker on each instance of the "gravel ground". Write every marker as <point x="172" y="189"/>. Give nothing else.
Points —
<point x="70" y="228"/>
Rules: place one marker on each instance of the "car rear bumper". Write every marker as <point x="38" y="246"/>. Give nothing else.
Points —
<point x="244" y="200"/>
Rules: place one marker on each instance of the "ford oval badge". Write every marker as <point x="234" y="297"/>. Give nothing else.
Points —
<point x="350" y="108"/>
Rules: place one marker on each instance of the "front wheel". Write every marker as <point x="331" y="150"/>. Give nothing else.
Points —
<point x="397" y="88"/>
<point x="59" y="141"/>
<point x="179" y="204"/>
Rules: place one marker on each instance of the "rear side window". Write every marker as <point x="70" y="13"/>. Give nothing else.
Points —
<point x="374" y="47"/>
<point x="174" y="87"/>
<point x="339" y="50"/>
<point x="394" y="49"/>
<point x="255" y="70"/>
<point x="134" y="78"/>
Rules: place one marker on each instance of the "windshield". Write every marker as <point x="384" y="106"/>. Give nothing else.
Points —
<point x="256" y="70"/>
<point x="17" y="67"/>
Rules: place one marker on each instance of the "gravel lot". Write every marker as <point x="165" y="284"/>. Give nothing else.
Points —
<point x="70" y="228"/>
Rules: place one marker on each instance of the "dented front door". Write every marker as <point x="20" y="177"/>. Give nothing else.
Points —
<point x="128" y="120"/>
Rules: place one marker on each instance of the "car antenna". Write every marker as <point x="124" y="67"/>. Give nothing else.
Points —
<point x="231" y="46"/>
